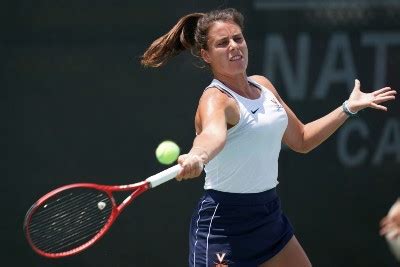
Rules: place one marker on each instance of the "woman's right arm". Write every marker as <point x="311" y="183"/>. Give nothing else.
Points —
<point x="213" y="114"/>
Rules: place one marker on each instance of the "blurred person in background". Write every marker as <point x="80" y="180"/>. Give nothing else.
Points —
<point x="390" y="229"/>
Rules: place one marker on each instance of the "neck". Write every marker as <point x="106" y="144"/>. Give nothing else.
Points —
<point x="239" y="85"/>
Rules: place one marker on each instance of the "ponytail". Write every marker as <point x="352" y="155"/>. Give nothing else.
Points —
<point x="178" y="39"/>
<point x="191" y="32"/>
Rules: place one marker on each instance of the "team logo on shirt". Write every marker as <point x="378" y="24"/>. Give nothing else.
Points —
<point x="222" y="262"/>
<point x="277" y="104"/>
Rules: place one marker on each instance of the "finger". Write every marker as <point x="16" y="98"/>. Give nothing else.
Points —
<point x="384" y="221"/>
<point x="196" y="168"/>
<point x="191" y="171"/>
<point x="381" y="99"/>
<point x="386" y="229"/>
<point x="391" y="92"/>
<point x="380" y="91"/>
<point x="182" y="158"/>
<point x="383" y="231"/>
<point x="186" y="170"/>
<point x="388" y="223"/>
<point x="387" y="93"/>
<point x="379" y="107"/>
<point x="180" y="175"/>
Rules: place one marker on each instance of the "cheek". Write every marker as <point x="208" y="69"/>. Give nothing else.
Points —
<point x="220" y="53"/>
<point x="219" y="57"/>
<point x="244" y="48"/>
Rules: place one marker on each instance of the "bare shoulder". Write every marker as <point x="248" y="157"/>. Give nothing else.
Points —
<point x="265" y="82"/>
<point x="214" y="98"/>
<point x="216" y="105"/>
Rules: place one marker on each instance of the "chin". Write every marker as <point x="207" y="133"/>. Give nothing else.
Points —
<point x="237" y="67"/>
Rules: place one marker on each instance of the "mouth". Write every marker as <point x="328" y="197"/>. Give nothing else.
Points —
<point x="235" y="58"/>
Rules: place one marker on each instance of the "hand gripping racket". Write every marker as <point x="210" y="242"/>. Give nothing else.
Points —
<point x="73" y="217"/>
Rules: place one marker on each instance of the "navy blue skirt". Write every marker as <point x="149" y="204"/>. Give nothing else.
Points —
<point x="241" y="230"/>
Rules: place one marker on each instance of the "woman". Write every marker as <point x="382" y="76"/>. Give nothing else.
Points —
<point x="240" y="123"/>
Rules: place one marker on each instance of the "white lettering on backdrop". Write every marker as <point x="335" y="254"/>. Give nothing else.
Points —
<point x="296" y="85"/>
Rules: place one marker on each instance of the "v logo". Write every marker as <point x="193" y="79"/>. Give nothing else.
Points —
<point x="277" y="104"/>
<point x="221" y="257"/>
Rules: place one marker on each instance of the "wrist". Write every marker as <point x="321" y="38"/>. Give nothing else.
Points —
<point x="200" y="152"/>
<point x="347" y="109"/>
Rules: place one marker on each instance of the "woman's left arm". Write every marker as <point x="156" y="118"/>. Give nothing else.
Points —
<point x="305" y="137"/>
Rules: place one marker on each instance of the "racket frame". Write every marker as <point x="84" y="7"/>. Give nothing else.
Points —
<point x="136" y="188"/>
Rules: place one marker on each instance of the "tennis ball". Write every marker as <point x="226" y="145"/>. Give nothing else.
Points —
<point x="167" y="152"/>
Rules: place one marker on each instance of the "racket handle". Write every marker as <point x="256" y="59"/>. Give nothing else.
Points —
<point x="164" y="176"/>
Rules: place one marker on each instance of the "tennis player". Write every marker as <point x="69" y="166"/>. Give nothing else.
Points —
<point x="240" y="123"/>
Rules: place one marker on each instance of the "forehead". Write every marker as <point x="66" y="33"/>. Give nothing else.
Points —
<point x="221" y="29"/>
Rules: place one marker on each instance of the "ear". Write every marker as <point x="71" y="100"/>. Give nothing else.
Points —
<point x="205" y="56"/>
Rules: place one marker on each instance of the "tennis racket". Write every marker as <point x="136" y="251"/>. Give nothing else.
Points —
<point x="73" y="217"/>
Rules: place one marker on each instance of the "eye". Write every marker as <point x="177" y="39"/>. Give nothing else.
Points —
<point x="238" y="39"/>
<point x="222" y="43"/>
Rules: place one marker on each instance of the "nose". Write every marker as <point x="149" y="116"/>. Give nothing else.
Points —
<point x="232" y="44"/>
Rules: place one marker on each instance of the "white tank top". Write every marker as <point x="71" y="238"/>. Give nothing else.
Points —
<point x="248" y="163"/>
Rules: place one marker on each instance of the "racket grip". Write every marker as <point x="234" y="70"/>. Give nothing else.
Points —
<point x="164" y="176"/>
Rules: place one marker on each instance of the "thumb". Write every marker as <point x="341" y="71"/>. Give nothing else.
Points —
<point x="357" y="84"/>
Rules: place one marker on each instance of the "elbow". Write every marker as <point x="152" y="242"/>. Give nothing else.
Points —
<point x="302" y="148"/>
<point x="300" y="143"/>
<point x="306" y="148"/>
<point x="297" y="140"/>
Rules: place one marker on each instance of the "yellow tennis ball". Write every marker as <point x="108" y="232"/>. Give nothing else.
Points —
<point x="167" y="152"/>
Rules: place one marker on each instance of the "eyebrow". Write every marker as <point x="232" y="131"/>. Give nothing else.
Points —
<point x="226" y="37"/>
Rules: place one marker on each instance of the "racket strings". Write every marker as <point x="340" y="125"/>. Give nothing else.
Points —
<point x="43" y="214"/>
<point x="69" y="219"/>
<point x="70" y="233"/>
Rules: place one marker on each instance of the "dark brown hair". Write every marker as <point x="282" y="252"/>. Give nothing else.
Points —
<point x="190" y="32"/>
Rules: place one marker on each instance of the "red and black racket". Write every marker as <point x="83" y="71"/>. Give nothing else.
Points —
<point x="71" y="218"/>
